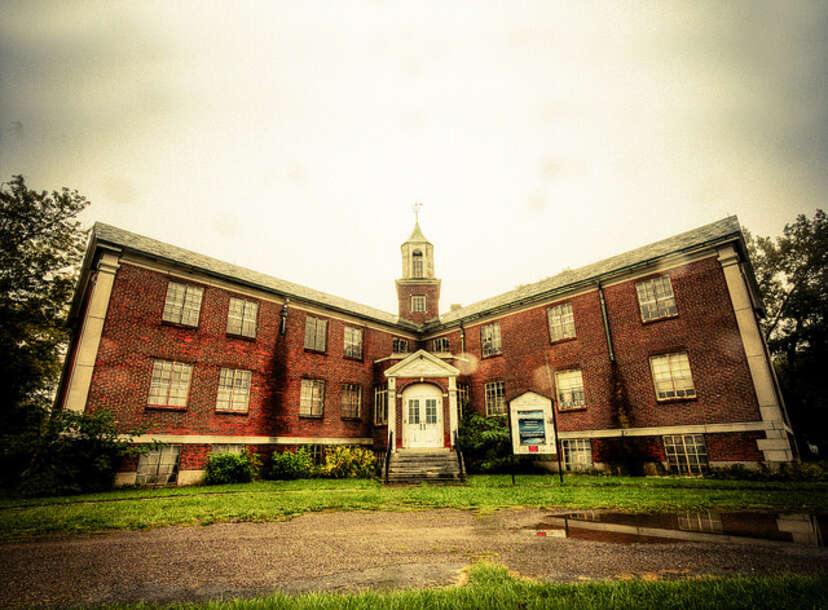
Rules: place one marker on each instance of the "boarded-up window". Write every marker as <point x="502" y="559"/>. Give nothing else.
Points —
<point x="490" y="339"/>
<point x="316" y="332"/>
<point x="351" y="400"/>
<point x="353" y="343"/>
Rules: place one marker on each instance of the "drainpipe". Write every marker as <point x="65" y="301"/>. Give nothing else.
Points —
<point x="606" y="322"/>
<point x="283" y="316"/>
<point x="462" y="338"/>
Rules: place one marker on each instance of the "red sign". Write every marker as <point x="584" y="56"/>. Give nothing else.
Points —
<point x="533" y="448"/>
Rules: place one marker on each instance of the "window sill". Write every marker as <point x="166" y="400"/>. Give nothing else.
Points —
<point x="354" y="419"/>
<point x="229" y="412"/>
<point x="316" y="351"/>
<point x="165" y="408"/>
<point x="562" y="340"/>
<point x="353" y="358"/>
<point x="662" y="401"/>
<point x="242" y="337"/>
<point x="495" y="355"/>
<point x="179" y="325"/>
<point x="376" y="425"/>
<point x="304" y="416"/>
<point x="660" y="319"/>
<point x="496" y="414"/>
<point x="567" y="409"/>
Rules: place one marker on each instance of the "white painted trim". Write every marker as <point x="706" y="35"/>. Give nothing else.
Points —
<point x="757" y="426"/>
<point x="89" y="339"/>
<point x="443" y="368"/>
<point x="212" y="439"/>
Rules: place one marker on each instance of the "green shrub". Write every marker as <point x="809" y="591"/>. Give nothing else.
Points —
<point x="343" y="462"/>
<point x="289" y="464"/>
<point x="231" y="468"/>
<point x="486" y="443"/>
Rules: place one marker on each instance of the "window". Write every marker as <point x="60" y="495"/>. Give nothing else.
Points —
<point x="700" y="522"/>
<point x="316" y="332"/>
<point x="183" y="304"/>
<point x="495" y="398"/>
<point x="671" y="376"/>
<point x="380" y="405"/>
<point x="655" y="298"/>
<point x="241" y="317"/>
<point x="440" y="345"/>
<point x="490" y="339"/>
<point x="353" y="343"/>
<point x="418" y="304"/>
<point x="561" y="322"/>
<point x="400" y="346"/>
<point x="312" y="399"/>
<point x="234" y="449"/>
<point x="463" y="395"/>
<point x="158" y="467"/>
<point x="417" y="264"/>
<point x="317" y="453"/>
<point x="233" y="390"/>
<point x="570" y="386"/>
<point x="577" y="453"/>
<point x="686" y="453"/>
<point x="351" y="401"/>
<point x="170" y="384"/>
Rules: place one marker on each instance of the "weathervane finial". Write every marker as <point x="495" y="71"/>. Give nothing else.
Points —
<point x="416" y="207"/>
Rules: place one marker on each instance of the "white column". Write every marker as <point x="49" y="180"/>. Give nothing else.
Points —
<point x="453" y="414"/>
<point x="392" y="411"/>
<point x="86" y="351"/>
<point x="775" y="447"/>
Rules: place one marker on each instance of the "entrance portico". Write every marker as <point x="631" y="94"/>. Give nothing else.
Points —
<point x="423" y="402"/>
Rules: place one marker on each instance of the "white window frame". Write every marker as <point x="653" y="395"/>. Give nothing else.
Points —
<point x="561" y="322"/>
<point x="381" y="405"/>
<point x="182" y="304"/>
<point x="316" y="334"/>
<point x="418" y="304"/>
<point x="490" y="339"/>
<point x="233" y="390"/>
<point x="312" y="398"/>
<point x="169" y="384"/>
<point x="417" y="264"/>
<point x="350" y="403"/>
<point x="440" y="345"/>
<point x="656" y="299"/>
<point x="686" y="453"/>
<point x="576" y="453"/>
<point x="352" y="343"/>
<point x="495" y="392"/>
<point x="570" y="389"/>
<point x="159" y="466"/>
<point x="672" y="377"/>
<point x="400" y="346"/>
<point x="242" y="315"/>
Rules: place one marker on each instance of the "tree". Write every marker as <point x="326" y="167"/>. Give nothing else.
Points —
<point x="41" y="243"/>
<point x="792" y="273"/>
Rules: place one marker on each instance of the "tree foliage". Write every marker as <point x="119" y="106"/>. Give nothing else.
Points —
<point x="792" y="273"/>
<point x="41" y="243"/>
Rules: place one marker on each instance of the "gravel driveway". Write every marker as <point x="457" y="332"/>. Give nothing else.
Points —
<point x="346" y="551"/>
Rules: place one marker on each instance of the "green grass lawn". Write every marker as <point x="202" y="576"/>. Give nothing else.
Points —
<point x="141" y="508"/>
<point x="491" y="586"/>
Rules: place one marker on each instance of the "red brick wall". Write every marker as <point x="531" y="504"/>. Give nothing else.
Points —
<point x="432" y="294"/>
<point x="733" y="447"/>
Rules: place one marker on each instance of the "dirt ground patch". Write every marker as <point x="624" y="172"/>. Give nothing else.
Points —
<point x="350" y="551"/>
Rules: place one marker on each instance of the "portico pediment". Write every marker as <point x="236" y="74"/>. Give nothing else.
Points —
<point x="422" y="364"/>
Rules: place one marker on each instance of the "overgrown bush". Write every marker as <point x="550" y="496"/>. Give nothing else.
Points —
<point x="75" y="453"/>
<point x="289" y="464"/>
<point x="342" y="462"/>
<point x="231" y="468"/>
<point x="485" y="443"/>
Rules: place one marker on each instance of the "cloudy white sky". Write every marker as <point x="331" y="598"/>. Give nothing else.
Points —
<point x="293" y="137"/>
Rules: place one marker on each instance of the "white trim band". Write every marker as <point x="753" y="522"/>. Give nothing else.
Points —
<point x="213" y="439"/>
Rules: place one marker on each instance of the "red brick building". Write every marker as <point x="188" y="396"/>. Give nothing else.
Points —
<point x="659" y="346"/>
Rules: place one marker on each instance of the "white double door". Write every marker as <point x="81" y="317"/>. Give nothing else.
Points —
<point x="422" y="416"/>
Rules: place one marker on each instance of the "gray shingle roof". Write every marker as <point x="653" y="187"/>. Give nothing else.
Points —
<point x="715" y="231"/>
<point x="153" y="248"/>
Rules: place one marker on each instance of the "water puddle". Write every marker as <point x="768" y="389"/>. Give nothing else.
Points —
<point x="709" y="526"/>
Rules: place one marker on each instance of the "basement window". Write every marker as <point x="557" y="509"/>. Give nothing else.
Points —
<point x="686" y="453"/>
<point x="159" y="467"/>
<point x="576" y="453"/>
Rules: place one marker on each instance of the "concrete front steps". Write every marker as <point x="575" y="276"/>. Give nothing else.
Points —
<point x="411" y="466"/>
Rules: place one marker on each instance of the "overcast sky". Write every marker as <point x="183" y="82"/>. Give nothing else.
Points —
<point x="293" y="137"/>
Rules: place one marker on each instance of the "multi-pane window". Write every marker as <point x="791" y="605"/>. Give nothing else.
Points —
<point x="183" y="304"/>
<point x="577" y="453"/>
<point x="380" y="405"/>
<point x="440" y="345"/>
<point x="158" y="467"/>
<point x="400" y="346"/>
<point x="417" y="264"/>
<point x="463" y="394"/>
<point x="686" y="453"/>
<point x="241" y="317"/>
<point x="233" y="390"/>
<point x="170" y="384"/>
<point x="312" y="398"/>
<point x="431" y="411"/>
<point x="655" y="298"/>
<point x="351" y="400"/>
<point x="490" y="339"/>
<point x="561" y="322"/>
<point x="316" y="333"/>
<point x="570" y="386"/>
<point x="495" y="398"/>
<point x="418" y="304"/>
<point x="353" y="342"/>
<point x="672" y="377"/>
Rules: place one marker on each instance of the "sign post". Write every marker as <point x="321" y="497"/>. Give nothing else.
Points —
<point x="532" y="426"/>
